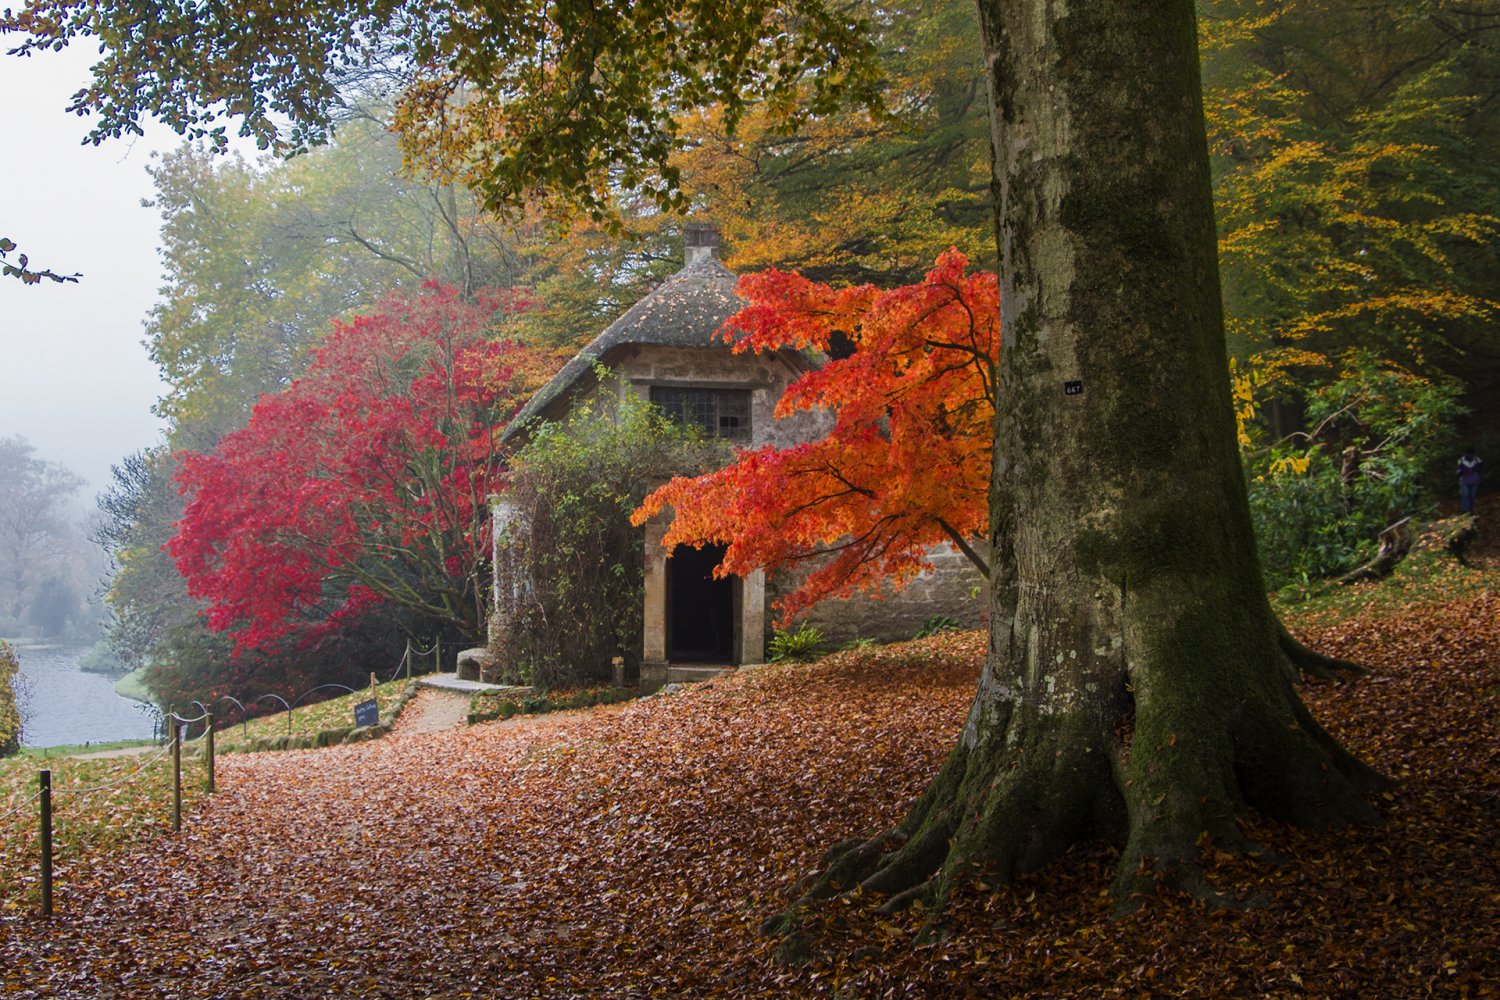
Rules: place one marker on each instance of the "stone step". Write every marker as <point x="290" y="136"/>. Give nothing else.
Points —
<point x="688" y="673"/>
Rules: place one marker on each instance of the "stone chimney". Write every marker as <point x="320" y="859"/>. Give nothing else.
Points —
<point x="699" y="240"/>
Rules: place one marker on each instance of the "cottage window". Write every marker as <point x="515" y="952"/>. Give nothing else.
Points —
<point x="721" y="413"/>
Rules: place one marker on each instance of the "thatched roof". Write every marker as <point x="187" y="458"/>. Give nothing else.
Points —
<point x="686" y="310"/>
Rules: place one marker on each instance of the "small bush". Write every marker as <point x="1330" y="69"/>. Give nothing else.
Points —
<point x="797" y="646"/>
<point x="573" y="559"/>
<point x="936" y="624"/>
<point x="486" y="708"/>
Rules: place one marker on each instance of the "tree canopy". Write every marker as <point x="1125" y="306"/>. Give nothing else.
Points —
<point x="1357" y="159"/>
<point x="566" y="98"/>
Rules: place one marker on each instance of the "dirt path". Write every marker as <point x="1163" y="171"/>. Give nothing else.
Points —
<point x="144" y="748"/>
<point x="432" y="711"/>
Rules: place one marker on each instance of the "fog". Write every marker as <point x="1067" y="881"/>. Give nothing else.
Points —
<point x="74" y="378"/>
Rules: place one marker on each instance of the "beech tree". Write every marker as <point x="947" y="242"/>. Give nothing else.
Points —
<point x="1138" y="686"/>
<point x="905" y="465"/>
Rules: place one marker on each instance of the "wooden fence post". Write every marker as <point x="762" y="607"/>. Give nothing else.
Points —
<point x="208" y="736"/>
<point x="177" y="731"/>
<point x="45" y="779"/>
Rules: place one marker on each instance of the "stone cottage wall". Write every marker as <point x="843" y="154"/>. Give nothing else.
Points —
<point x="765" y="375"/>
<point x="952" y="588"/>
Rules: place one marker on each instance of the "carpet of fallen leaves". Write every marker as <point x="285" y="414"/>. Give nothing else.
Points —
<point x="632" y="851"/>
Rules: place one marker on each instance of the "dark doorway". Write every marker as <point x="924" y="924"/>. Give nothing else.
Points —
<point x="701" y="608"/>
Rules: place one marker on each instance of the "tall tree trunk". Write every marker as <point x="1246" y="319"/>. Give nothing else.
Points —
<point x="1138" y="686"/>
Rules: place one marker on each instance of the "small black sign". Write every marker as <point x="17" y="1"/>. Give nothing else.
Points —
<point x="1072" y="388"/>
<point x="367" y="713"/>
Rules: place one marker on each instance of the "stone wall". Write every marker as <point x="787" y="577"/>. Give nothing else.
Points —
<point x="952" y="588"/>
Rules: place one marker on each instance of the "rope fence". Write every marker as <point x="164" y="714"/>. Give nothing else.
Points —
<point x="23" y="805"/>
<point x="175" y="728"/>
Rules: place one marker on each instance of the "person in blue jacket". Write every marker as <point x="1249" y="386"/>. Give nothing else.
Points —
<point x="1468" y="479"/>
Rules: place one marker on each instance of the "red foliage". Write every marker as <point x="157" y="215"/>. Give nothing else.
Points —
<point x="907" y="463"/>
<point x="363" y="481"/>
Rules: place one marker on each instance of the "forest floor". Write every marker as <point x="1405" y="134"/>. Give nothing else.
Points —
<point x="632" y="850"/>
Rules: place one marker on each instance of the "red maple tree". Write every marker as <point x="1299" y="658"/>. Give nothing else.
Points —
<point x="365" y="480"/>
<point x="906" y="464"/>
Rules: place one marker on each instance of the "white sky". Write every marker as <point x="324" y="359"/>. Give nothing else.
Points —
<point x="74" y="378"/>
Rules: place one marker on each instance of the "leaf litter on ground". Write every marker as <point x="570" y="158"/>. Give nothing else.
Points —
<point x="633" y="851"/>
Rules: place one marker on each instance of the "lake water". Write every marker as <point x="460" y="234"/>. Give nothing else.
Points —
<point x="62" y="704"/>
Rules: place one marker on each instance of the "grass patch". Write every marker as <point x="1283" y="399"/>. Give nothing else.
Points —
<point x="135" y="805"/>
<point x="1428" y="576"/>
<point x="133" y="686"/>
<point x="322" y="723"/>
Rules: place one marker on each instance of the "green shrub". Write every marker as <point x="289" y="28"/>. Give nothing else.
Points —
<point x="1319" y="499"/>
<point x="574" y="559"/>
<point x="799" y="645"/>
<point x="10" y="712"/>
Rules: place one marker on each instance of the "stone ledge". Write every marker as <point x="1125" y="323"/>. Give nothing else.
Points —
<point x="452" y="682"/>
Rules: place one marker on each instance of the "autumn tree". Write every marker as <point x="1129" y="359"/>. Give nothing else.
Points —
<point x="1138" y="686"/>
<point x="10" y="712"/>
<point x="853" y="196"/>
<point x="905" y="465"/>
<point x="259" y="256"/>
<point x="1357" y="156"/>
<point x="362" y="483"/>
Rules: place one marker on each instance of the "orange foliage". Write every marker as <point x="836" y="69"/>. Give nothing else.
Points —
<point x="906" y="464"/>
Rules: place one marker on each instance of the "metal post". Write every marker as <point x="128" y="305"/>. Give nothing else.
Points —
<point x="209" y="738"/>
<point x="289" y="722"/>
<point x="406" y="658"/>
<point x="177" y="731"/>
<point x="45" y="778"/>
<point x="437" y="655"/>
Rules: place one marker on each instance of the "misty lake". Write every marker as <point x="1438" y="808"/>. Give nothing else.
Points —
<point x="62" y="704"/>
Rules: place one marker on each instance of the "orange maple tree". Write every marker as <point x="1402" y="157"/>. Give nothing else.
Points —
<point x="906" y="464"/>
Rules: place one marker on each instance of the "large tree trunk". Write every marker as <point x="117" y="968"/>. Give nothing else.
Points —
<point x="1138" y="686"/>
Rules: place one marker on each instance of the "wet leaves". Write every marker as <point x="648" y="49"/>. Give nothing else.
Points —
<point x="633" y="850"/>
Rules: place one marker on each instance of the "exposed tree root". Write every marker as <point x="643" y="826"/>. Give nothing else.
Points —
<point x="1309" y="662"/>
<point x="1178" y="793"/>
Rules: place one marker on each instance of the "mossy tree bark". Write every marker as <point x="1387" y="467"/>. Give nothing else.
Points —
<point x="1138" y="686"/>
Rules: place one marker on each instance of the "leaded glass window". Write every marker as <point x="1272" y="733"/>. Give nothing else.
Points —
<point x="721" y="413"/>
